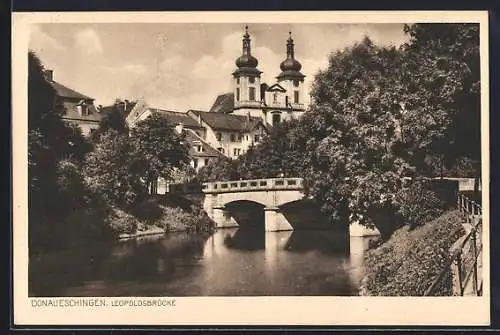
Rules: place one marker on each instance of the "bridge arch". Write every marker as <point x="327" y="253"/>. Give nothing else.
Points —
<point x="246" y="213"/>
<point x="264" y="195"/>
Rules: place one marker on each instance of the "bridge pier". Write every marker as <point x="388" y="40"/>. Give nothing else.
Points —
<point x="223" y="218"/>
<point x="275" y="220"/>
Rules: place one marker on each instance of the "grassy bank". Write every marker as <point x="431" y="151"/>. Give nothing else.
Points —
<point x="157" y="215"/>
<point x="84" y="227"/>
<point x="410" y="260"/>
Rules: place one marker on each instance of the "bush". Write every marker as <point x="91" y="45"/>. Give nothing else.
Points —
<point x="123" y="223"/>
<point x="409" y="262"/>
<point x="176" y="219"/>
<point x="148" y="210"/>
<point x="419" y="204"/>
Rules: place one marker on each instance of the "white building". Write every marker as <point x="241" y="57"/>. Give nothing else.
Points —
<point x="240" y="119"/>
<point x="230" y="134"/>
<point x="282" y="100"/>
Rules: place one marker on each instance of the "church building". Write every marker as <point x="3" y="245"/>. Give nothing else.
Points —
<point x="254" y="107"/>
<point x="273" y="103"/>
<point x="240" y="119"/>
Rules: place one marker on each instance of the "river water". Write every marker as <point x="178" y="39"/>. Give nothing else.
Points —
<point x="231" y="262"/>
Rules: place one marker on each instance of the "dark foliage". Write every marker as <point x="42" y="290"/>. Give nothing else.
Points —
<point x="409" y="262"/>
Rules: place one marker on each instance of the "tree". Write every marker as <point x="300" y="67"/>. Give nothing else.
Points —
<point x="284" y="151"/>
<point x="219" y="170"/>
<point x="356" y="166"/>
<point x="442" y="102"/>
<point x="113" y="117"/>
<point x="50" y="139"/>
<point x="55" y="153"/>
<point x="157" y="149"/>
<point x="111" y="170"/>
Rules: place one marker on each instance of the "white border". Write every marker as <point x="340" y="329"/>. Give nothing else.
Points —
<point x="240" y="310"/>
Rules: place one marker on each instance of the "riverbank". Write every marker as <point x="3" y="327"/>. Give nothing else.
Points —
<point x="148" y="232"/>
<point x="410" y="260"/>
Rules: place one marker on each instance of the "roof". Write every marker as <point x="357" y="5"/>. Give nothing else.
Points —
<point x="193" y="139"/>
<point x="73" y="114"/>
<point x="275" y="87"/>
<point x="291" y="74"/>
<point x="224" y="103"/>
<point x="66" y="92"/>
<point x="177" y="118"/>
<point x="231" y="122"/>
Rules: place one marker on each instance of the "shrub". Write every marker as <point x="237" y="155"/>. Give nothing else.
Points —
<point x="409" y="262"/>
<point x="148" y="210"/>
<point x="176" y="219"/>
<point x="123" y="223"/>
<point x="419" y="204"/>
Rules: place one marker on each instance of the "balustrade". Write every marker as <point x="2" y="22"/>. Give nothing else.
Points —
<point x="251" y="103"/>
<point x="253" y="185"/>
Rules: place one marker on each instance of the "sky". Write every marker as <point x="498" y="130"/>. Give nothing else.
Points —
<point x="184" y="66"/>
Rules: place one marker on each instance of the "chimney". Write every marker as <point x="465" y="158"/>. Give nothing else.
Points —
<point x="49" y="75"/>
<point x="179" y="128"/>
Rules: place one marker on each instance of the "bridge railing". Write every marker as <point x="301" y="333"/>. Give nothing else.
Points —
<point x="253" y="185"/>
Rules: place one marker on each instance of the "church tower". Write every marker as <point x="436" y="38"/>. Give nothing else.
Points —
<point x="291" y="79"/>
<point x="246" y="82"/>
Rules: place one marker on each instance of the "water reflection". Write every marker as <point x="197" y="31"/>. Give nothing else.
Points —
<point x="245" y="239"/>
<point x="323" y="241"/>
<point x="230" y="262"/>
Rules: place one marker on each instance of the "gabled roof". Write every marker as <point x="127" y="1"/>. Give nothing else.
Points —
<point x="177" y="118"/>
<point x="229" y="122"/>
<point x="71" y="113"/>
<point x="193" y="139"/>
<point x="224" y="103"/>
<point x="276" y="87"/>
<point x="66" y="92"/>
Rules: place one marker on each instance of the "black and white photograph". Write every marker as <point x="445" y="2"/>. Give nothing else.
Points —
<point x="251" y="157"/>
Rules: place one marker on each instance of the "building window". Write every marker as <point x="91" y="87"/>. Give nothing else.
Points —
<point x="256" y="138"/>
<point x="200" y="148"/>
<point x="237" y="94"/>
<point x="195" y="163"/>
<point x="246" y="137"/>
<point x="251" y="80"/>
<point x="296" y="83"/>
<point x="251" y="94"/>
<point x="236" y="151"/>
<point x="296" y="97"/>
<point x="233" y="137"/>
<point x="240" y="137"/>
<point x="221" y="149"/>
<point x="275" y="97"/>
<point x="219" y="136"/>
<point x="276" y="119"/>
<point x="238" y="80"/>
<point x="206" y="161"/>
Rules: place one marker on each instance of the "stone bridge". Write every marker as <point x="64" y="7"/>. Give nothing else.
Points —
<point x="274" y="204"/>
<point x="248" y="202"/>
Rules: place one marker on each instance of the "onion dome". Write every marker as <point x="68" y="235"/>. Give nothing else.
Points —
<point x="247" y="63"/>
<point x="290" y="67"/>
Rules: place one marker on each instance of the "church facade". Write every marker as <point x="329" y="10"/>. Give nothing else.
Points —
<point x="273" y="103"/>
<point x="240" y="119"/>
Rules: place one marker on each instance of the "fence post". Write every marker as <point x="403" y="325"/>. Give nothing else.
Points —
<point x="459" y="273"/>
